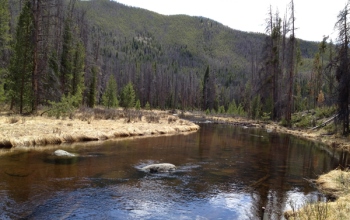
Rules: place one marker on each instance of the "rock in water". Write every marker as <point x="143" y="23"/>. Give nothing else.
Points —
<point x="160" y="167"/>
<point x="61" y="153"/>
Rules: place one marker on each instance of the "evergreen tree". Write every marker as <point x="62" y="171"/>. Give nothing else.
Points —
<point x="138" y="105"/>
<point x="22" y="64"/>
<point x="128" y="96"/>
<point x="109" y="98"/>
<point x="78" y="72"/>
<point x="205" y="92"/>
<point x="342" y="72"/>
<point x="4" y="32"/>
<point x="67" y="65"/>
<point x="92" y="88"/>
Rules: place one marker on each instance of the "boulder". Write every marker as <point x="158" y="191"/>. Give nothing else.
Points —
<point x="63" y="153"/>
<point x="160" y="167"/>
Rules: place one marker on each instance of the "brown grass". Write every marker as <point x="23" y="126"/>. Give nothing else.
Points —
<point x="86" y="125"/>
<point x="335" y="184"/>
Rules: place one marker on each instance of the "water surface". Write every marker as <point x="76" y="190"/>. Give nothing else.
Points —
<point x="224" y="172"/>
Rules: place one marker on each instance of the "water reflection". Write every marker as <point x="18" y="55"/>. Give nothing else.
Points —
<point x="223" y="172"/>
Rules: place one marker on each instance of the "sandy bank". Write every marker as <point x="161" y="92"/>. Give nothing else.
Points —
<point x="37" y="131"/>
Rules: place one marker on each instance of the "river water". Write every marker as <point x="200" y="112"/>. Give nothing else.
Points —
<point x="224" y="172"/>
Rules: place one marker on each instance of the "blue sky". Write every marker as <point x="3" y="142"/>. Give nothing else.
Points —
<point x="314" y="18"/>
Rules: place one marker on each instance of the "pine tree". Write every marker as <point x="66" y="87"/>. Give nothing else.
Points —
<point x="128" y="96"/>
<point x="109" y="97"/>
<point x="206" y="89"/>
<point x="4" y="45"/>
<point x="92" y="88"/>
<point x="66" y="73"/>
<point x="78" y="72"/>
<point x="5" y="36"/>
<point x="21" y="68"/>
<point x="342" y="72"/>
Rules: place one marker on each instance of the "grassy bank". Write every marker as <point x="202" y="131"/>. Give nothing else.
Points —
<point x="88" y="125"/>
<point x="335" y="184"/>
<point x="101" y="124"/>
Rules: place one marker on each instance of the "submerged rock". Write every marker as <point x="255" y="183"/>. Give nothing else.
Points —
<point x="63" y="153"/>
<point x="160" y="167"/>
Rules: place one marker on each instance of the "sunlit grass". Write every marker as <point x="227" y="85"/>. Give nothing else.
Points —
<point x="335" y="184"/>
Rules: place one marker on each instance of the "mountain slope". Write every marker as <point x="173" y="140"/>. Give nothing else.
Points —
<point x="135" y="39"/>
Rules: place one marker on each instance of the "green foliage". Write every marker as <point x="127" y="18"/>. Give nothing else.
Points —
<point x="2" y="93"/>
<point x="147" y="106"/>
<point x="128" y="96"/>
<point x="22" y="65"/>
<point x="5" y="36"/>
<point x="65" y="107"/>
<point x="221" y="110"/>
<point x="78" y="71"/>
<point x="233" y="109"/>
<point x="205" y="89"/>
<point x="325" y="112"/>
<point x="266" y="116"/>
<point x="179" y="45"/>
<point x="92" y="88"/>
<point x="300" y="120"/>
<point x="138" y="105"/>
<point x="67" y="58"/>
<point x="284" y="122"/>
<point x="207" y="112"/>
<point x="256" y="107"/>
<point x="109" y="98"/>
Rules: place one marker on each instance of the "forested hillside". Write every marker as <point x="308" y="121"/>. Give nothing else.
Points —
<point x="67" y="51"/>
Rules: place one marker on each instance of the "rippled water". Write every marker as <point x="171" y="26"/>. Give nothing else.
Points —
<point x="224" y="172"/>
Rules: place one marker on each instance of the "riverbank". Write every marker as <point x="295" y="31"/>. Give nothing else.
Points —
<point x="335" y="184"/>
<point x="99" y="124"/>
<point x="29" y="131"/>
<point x="319" y="135"/>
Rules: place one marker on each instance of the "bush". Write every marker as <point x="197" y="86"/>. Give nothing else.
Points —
<point x="147" y="106"/>
<point x="221" y="110"/>
<point x="65" y="107"/>
<point x="138" y="105"/>
<point x="325" y="112"/>
<point x="207" y="112"/>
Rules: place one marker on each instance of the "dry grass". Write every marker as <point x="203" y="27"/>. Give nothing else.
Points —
<point x="335" y="184"/>
<point x="86" y="125"/>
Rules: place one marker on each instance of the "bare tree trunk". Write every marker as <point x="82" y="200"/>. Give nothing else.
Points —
<point x="291" y="70"/>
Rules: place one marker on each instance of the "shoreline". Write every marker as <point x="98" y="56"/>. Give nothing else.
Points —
<point x="42" y="131"/>
<point x="321" y="136"/>
<point x="36" y="131"/>
<point x="335" y="184"/>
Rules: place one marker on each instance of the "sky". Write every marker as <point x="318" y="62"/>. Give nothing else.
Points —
<point x="314" y="18"/>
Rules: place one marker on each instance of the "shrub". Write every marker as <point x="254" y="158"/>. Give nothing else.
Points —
<point x="147" y="106"/>
<point x="221" y="110"/>
<point x="138" y="105"/>
<point x="65" y="107"/>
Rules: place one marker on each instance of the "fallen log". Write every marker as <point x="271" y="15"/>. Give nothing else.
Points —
<point x="325" y="123"/>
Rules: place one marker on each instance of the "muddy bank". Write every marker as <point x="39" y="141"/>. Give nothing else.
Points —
<point x="41" y="130"/>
